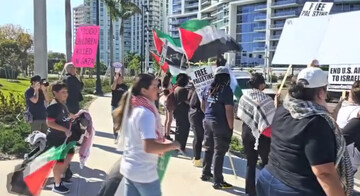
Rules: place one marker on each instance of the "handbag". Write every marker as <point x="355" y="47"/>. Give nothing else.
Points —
<point x="27" y="116"/>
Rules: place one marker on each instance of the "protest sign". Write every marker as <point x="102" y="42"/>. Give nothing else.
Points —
<point x="202" y="77"/>
<point x="118" y="66"/>
<point x="86" y="43"/>
<point x="342" y="77"/>
<point x="312" y="9"/>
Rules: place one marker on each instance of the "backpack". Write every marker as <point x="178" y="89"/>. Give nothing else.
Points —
<point x="171" y="102"/>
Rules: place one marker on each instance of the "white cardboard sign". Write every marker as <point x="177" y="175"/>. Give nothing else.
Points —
<point x="312" y="9"/>
<point x="342" y="77"/>
<point x="202" y="77"/>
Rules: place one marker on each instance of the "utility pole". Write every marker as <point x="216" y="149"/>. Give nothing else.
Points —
<point x="98" y="90"/>
<point x="40" y="39"/>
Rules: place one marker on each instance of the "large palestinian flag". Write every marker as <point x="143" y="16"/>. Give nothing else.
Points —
<point x="200" y="40"/>
<point x="29" y="178"/>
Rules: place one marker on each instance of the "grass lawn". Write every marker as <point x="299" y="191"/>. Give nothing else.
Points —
<point x="17" y="87"/>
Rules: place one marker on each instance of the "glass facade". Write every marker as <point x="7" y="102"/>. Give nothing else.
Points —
<point x="252" y="42"/>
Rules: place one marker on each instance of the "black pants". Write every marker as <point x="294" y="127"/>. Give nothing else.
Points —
<point x="252" y="156"/>
<point x="196" y="124"/>
<point x="182" y="127"/>
<point x="217" y="141"/>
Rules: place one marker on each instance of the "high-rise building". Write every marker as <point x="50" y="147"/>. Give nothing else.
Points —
<point x="255" y="24"/>
<point x="86" y="15"/>
<point x="179" y="12"/>
<point x="137" y="31"/>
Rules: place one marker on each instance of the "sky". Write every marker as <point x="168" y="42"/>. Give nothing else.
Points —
<point x="20" y="12"/>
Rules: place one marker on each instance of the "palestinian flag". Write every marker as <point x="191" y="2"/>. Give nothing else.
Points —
<point x="171" y="65"/>
<point x="201" y="41"/>
<point x="162" y="39"/>
<point x="30" y="177"/>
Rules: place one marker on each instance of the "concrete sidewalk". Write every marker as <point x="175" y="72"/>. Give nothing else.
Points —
<point x="181" y="179"/>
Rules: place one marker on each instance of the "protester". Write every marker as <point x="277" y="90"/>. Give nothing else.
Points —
<point x="181" y="112"/>
<point x="143" y="138"/>
<point x="157" y="102"/>
<point x="167" y="89"/>
<point x="118" y="88"/>
<point x="349" y="123"/>
<point x="256" y="110"/>
<point x="220" y="61"/>
<point x="308" y="155"/>
<point x="36" y="97"/>
<point x="59" y="121"/>
<point x="218" y="106"/>
<point x="74" y="86"/>
<point x="314" y="63"/>
<point x="196" y="117"/>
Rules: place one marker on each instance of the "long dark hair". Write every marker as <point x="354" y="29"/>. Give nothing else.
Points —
<point x="298" y="91"/>
<point x="141" y="81"/>
<point x="166" y="80"/>
<point x="220" y="81"/>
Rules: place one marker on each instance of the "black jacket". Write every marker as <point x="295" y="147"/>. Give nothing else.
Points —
<point x="74" y="89"/>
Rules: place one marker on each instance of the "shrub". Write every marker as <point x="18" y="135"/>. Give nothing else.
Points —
<point x="274" y="78"/>
<point x="281" y="77"/>
<point x="12" y="138"/>
<point x="236" y="145"/>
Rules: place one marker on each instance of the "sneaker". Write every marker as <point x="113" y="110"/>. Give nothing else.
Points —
<point x="222" y="185"/>
<point x="169" y="138"/>
<point x="116" y="141"/>
<point x="60" y="189"/>
<point x="207" y="177"/>
<point x="197" y="163"/>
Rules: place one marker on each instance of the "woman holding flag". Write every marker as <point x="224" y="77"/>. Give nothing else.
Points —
<point x="143" y="137"/>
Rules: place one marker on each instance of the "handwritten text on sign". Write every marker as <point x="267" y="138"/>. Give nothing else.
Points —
<point x="86" y="44"/>
<point x="341" y="77"/>
<point x="202" y="78"/>
<point x="316" y="9"/>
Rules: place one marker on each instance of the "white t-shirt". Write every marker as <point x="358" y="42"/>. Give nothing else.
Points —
<point x="136" y="164"/>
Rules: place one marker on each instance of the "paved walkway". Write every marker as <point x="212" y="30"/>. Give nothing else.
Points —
<point x="181" y="179"/>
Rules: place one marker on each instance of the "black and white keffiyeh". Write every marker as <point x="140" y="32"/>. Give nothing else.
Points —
<point x="256" y="110"/>
<point x="300" y="109"/>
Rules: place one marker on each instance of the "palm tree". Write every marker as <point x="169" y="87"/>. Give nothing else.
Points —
<point x="68" y="30"/>
<point x="127" y="9"/>
<point x="112" y="7"/>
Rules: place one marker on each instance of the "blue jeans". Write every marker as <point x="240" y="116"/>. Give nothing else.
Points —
<point x="142" y="189"/>
<point x="268" y="185"/>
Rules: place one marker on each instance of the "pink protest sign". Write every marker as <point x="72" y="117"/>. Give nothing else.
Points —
<point x="86" y="43"/>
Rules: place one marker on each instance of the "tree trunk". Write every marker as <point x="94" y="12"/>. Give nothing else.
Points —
<point x="111" y="33"/>
<point x="122" y="50"/>
<point x="68" y="30"/>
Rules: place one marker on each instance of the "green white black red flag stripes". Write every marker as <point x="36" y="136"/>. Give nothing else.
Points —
<point x="29" y="178"/>
<point x="200" y="40"/>
<point x="173" y="44"/>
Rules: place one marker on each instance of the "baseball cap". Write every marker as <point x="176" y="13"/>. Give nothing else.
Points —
<point x="222" y="70"/>
<point x="314" y="77"/>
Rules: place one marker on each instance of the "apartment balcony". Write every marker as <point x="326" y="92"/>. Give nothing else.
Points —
<point x="277" y="26"/>
<point x="260" y="39"/>
<point x="285" y="4"/>
<point x="191" y="5"/>
<point x="286" y="14"/>
<point x="260" y="28"/>
<point x="259" y="50"/>
<point x="275" y="37"/>
<point x="260" y="18"/>
<point x="261" y="8"/>
<point x="205" y="2"/>
<point x="207" y="17"/>
<point x="178" y="2"/>
<point x="272" y="48"/>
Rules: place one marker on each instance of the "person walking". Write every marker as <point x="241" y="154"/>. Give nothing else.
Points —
<point x="308" y="154"/>
<point x="256" y="110"/>
<point x="59" y="122"/>
<point x="118" y="88"/>
<point x="218" y="107"/>
<point x="349" y="123"/>
<point x="196" y="117"/>
<point x="74" y="86"/>
<point x="181" y="112"/>
<point x="167" y="89"/>
<point x="143" y="138"/>
<point x="36" y="97"/>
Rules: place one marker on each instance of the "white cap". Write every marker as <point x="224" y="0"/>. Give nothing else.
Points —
<point x="222" y="70"/>
<point x="315" y="77"/>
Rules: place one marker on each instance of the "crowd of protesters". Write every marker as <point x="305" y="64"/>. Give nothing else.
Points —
<point x="304" y="150"/>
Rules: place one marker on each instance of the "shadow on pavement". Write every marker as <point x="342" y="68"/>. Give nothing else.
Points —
<point x="104" y="134"/>
<point x="90" y="180"/>
<point x="107" y="148"/>
<point x="236" y="191"/>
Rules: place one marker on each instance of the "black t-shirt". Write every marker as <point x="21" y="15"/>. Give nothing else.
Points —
<point x="58" y="113"/>
<point x="118" y="93"/>
<point x="351" y="132"/>
<point x="296" y="145"/>
<point x="74" y="89"/>
<point x="195" y="105"/>
<point x="181" y="98"/>
<point x="215" y="105"/>
<point x="38" y="109"/>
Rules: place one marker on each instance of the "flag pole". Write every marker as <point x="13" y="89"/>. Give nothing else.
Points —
<point x="284" y="79"/>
